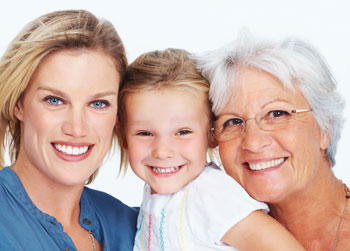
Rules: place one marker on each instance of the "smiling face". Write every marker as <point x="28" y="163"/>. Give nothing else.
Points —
<point x="167" y="137"/>
<point x="67" y="116"/>
<point x="271" y="165"/>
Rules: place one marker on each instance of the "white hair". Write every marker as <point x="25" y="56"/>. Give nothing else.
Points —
<point x="292" y="61"/>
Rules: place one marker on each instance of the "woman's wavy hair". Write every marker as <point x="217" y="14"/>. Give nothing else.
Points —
<point x="60" y="30"/>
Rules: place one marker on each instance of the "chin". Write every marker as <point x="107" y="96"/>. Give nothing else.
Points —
<point x="164" y="190"/>
<point x="267" y="195"/>
<point x="72" y="180"/>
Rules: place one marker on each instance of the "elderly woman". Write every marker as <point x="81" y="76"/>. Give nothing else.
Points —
<point x="59" y="83"/>
<point x="278" y="122"/>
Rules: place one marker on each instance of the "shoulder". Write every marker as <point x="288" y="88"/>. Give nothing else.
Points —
<point x="4" y="174"/>
<point x="109" y="204"/>
<point x="216" y="202"/>
<point x="213" y="182"/>
<point x="117" y="220"/>
<point x="215" y="178"/>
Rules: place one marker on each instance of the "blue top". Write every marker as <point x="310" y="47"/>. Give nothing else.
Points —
<point x="24" y="227"/>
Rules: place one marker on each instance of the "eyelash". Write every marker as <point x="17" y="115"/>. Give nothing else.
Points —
<point x="144" y="134"/>
<point x="278" y="113"/>
<point x="273" y="114"/>
<point x="183" y="132"/>
<point x="49" y="99"/>
<point x="179" y="133"/>
<point x="105" y="104"/>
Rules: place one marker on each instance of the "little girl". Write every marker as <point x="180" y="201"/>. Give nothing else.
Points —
<point x="165" y="127"/>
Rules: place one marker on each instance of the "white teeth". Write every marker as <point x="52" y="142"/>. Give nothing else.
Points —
<point x="266" y="164"/>
<point x="165" y="170"/>
<point x="71" y="150"/>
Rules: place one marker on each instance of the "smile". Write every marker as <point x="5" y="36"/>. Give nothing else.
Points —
<point x="265" y="164"/>
<point x="71" y="150"/>
<point x="165" y="170"/>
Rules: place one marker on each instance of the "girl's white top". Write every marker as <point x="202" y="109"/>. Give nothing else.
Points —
<point x="196" y="217"/>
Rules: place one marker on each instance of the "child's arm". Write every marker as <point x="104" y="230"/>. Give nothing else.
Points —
<point x="259" y="231"/>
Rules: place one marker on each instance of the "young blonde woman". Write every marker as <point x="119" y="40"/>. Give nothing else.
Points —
<point x="59" y="83"/>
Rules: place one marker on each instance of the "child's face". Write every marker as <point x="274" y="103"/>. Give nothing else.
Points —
<point x="167" y="137"/>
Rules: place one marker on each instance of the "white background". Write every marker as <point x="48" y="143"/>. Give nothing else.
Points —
<point x="199" y="25"/>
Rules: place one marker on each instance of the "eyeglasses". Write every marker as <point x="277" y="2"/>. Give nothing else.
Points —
<point x="227" y="127"/>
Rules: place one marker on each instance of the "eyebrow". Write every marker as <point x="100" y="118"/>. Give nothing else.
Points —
<point x="274" y="101"/>
<point x="262" y="107"/>
<point x="65" y="96"/>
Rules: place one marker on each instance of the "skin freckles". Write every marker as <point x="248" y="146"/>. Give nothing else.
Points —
<point x="301" y="144"/>
<point x="71" y="101"/>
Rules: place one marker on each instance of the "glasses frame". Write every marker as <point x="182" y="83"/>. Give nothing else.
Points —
<point x="256" y="118"/>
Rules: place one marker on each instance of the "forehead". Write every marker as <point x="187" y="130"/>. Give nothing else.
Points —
<point x="76" y="68"/>
<point x="167" y="102"/>
<point x="255" y="89"/>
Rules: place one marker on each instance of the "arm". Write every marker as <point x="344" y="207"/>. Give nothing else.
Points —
<point x="259" y="231"/>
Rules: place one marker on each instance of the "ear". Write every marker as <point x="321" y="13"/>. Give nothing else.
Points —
<point x="18" y="110"/>
<point x="212" y="142"/>
<point x="325" y="138"/>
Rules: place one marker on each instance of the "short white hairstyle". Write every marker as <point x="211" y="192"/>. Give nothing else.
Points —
<point x="292" y="61"/>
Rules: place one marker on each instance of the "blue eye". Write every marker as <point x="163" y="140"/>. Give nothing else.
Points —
<point x="54" y="100"/>
<point x="100" y="104"/>
<point x="183" y="132"/>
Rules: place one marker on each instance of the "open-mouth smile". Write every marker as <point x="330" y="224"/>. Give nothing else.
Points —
<point x="71" y="150"/>
<point x="262" y="165"/>
<point x="165" y="170"/>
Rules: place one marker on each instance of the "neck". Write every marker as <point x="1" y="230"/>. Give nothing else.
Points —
<point x="312" y="215"/>
<point x="58" y="200"/>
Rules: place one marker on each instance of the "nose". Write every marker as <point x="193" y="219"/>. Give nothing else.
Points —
<point x="162" y="150"/>
<point x="255" y="139"/>
<point x="75" y="124"/>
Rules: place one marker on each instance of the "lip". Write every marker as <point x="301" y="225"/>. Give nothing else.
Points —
<point x="72" y="158"/>
<point x="165" y="174"/>
<point x="263" y="171"/>
<point x="69" y="143"/>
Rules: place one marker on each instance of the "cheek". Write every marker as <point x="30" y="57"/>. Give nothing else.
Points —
<point x="103" y="126"/>
<point x="229" y="154"/>
<point x="228" y="150"/>
<point x="196" y="148"/>
<point x="37" y="123"/>
<point x="302" y="143"/>
<point x="137" y="151"/>
<point x="306" y="154"/>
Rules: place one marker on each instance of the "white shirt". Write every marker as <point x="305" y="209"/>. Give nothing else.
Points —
<point x="196" y="217"/>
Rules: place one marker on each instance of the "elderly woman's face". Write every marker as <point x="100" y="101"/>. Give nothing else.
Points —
<point x="271" y="165"/>
<point x="67" y="116"/>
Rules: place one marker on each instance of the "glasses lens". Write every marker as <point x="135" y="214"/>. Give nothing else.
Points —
<point x="227" y="128"/>
<point x="274" y="120"/>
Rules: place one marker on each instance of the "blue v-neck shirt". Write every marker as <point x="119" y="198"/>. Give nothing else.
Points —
<point x="24" y="227"/>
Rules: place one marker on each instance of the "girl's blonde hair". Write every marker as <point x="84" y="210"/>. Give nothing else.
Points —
<point x="60" y="30"/>
<point x="159" y="70"/>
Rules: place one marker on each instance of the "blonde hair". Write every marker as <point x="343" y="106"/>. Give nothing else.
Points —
<point x="159" y="70"/>
<point x="60" y="30"/>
